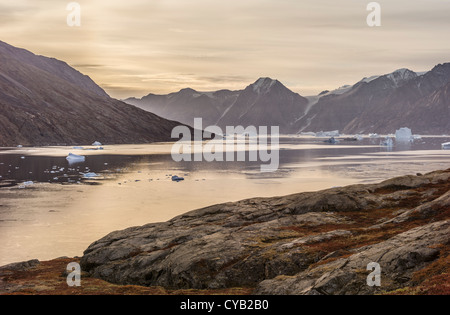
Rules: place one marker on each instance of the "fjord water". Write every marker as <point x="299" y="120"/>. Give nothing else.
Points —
<point x="61" y="213"/>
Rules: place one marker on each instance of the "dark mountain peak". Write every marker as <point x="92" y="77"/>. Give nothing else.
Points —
<point x="50" y="68"/>
<point x="401" y="76"/>
<point x="187" y="91"/>
<point x="264" y="85"/>
<point x="442" y="68"/>
<point x="44" y="101"/>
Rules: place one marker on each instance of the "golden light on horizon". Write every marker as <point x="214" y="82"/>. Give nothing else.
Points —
<point x="138" y="47"/>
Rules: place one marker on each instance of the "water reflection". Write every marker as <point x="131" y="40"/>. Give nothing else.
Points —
<point x="47" y="219"/>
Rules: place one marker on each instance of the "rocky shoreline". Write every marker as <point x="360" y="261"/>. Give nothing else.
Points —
<point x="307" y="243"/>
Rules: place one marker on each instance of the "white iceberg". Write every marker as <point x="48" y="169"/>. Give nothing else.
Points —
<point x="96" y="144"/>
<point x="446" y="146"/>
<point x="73" y="158"/>
<point x="90" y="175"/>
<point x="334" y="133"/>
<point x="310" y="134"/>
<point x="403" y="135"/>
<point x="26" y="184"/>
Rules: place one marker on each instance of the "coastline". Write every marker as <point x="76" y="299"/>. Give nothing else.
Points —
<point x="282" y="245"/>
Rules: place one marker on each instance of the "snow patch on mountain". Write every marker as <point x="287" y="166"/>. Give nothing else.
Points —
<point x="401" y="76"/>
<point x="262" y="85"/>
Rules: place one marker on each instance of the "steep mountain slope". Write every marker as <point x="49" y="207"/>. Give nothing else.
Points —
<point x="266" y="102"/>
<point x="385" y="103"/>
<point x="381" y="104"/>
<point x="43" y="101"/>
<point x="188" y="104"/>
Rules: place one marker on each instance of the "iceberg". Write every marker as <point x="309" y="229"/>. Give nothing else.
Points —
<point x="26" y="184"/>
<point x="96" y="143"/>
<point x="334" y="133"/>
<point x="403" y="135"/>
<point x="311" y="134"/>
<point x="90" y="175"/>
<point x="73" y="158"/>
<point x="446" y="146"/>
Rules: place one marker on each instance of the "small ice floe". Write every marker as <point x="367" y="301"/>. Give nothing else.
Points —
<point x="22" y="158"/>
<point x="90" y="175"/>
<point x="96" y="144"/>
<point x="20" y="146"/>
<point x="446" y="146"/>
<point x="334" y="133"/>
<point x="73" y="158"/>
<point x="332" y="140"/>
<point x="177" y="179"/>
<point x="387" y="142"/>
<point x="26" y="184"/>
<point x="309" y="134"/>
<point x="404" y="135"/>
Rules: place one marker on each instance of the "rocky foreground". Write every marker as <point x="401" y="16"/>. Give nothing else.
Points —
<point x="307" y="243"/>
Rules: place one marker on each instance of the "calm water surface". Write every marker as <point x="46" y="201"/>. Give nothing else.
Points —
<point x="61" y="213"/>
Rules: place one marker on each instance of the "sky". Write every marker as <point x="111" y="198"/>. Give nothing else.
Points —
<point x="137" y="47"/>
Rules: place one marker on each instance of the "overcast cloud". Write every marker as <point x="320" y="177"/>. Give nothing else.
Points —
<point x="136" y="47"/>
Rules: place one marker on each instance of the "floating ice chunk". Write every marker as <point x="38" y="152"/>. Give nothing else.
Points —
<point x="446" y="146"/>
<point x="20" y="146"/>
<point x="90" y="175"/>
<point x="96" y="143"/>
<point x="403" y="135"/>
<point x="73" y="158"/>
<point x="177" y="179"/>
<point x="26" y="184"/>
<point x="388" y="142"/>
<point x="334" y="133"/>
<point x="22" y="157"/>
<point x="332" y="140"/>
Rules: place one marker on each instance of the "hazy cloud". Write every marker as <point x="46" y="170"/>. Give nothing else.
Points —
<point x="135" y="47"/>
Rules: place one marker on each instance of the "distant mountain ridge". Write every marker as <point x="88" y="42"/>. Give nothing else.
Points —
<point x="266" y="102"/>
<point x="381" y="103"/>
<point x="44" y="101"/>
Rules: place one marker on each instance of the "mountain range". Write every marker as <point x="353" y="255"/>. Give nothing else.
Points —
<point x="381" y="104"/>
<point x="44" y="101"/>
